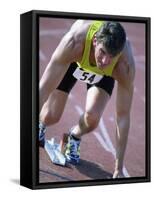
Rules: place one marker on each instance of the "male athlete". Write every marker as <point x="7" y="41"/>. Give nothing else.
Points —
<point x="97" y="53"/>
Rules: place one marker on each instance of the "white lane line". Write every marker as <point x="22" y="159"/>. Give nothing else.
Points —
<point x="79" y="109"/>
<point x="111" y="119"/>
<point x="106" y="137"/>
<point x="105" y="140"/>
<point x="102" y="142"/>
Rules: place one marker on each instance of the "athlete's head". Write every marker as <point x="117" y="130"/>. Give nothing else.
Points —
<point x="112" y="35"/>
<point x="109" y="41"/>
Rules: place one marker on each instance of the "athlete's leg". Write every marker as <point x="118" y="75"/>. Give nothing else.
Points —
<point x="96" y="101"/>
<point x="97" y="98"/>
<point x="54" y="106"/>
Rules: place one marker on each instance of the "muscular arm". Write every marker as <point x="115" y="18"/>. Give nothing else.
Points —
<point x="123" y="108"/>
<point x="125" y="78"/>
<point x="69" y="50"/>
<point x="57" y="67"/>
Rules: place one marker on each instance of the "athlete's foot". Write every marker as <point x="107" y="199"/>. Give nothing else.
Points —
<point x="72" y="150"/>
<point x="42" y="130"/>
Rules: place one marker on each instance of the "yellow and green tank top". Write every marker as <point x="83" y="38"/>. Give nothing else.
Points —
<point x="84" y="63"/>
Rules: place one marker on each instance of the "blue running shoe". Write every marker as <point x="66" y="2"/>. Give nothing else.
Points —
<point x="72" y="150"/>
<point x="42" y="130"/>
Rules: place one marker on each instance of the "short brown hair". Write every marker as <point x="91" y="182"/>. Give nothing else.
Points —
<point x="113" y="36"/>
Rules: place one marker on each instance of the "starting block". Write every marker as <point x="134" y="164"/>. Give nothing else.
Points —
<point x="53" y="150"/>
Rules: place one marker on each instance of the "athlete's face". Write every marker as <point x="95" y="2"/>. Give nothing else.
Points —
<point x="102" y="58"/>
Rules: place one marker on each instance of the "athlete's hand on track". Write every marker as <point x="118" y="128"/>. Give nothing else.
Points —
<point x="118" y="174"/>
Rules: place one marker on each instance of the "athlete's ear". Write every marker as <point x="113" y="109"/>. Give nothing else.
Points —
<point x="94" y="41"/>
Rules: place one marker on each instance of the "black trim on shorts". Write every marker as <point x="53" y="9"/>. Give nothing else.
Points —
<point x="68" y="82"/>
<point x="106" y="83"/>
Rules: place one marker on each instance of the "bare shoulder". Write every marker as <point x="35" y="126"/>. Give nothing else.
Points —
<point x="80" y="26"/>
<point x="124" y="71"/>
<point x="78" y="32"/>
<point x="71" y="45"/>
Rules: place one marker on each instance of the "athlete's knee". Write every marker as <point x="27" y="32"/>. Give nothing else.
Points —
<point x="91" y="120"/>
<point x="48" y="118"/>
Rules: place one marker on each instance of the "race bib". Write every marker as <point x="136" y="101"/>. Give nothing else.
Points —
<point x="86" y="77"/>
